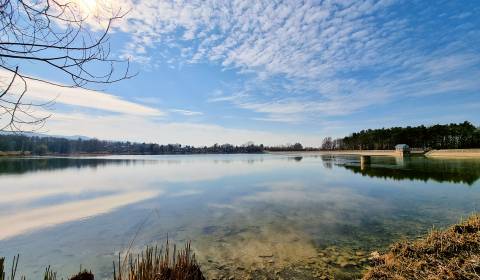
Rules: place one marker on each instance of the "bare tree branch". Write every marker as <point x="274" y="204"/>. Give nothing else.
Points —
<point x="59" y="36"/>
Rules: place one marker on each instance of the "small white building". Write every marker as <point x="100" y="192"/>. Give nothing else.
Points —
<point x="402" y="149"/>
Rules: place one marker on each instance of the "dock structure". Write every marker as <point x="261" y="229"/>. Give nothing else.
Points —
<point x="364" y="161"/>
<point x="402" y="150"/>
<point x="390" y="153"/>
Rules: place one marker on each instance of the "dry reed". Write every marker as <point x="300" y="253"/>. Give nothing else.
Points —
<point x="450" y="254"/>
<point x="160" y="264"/>
<point x="151" y="264"/>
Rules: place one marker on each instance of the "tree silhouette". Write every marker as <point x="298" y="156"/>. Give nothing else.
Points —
<point x="55" y="34"/>
<point x="448" y="136"/>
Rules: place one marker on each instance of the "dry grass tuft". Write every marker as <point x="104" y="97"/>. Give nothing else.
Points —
<point x="13" y="270"/>
<point x="83" y="275"/>
<point x="160" y="264"/>
<point x="2" y="265"/>
<point x="450" y="254"/>
<point x="151" y="264"/>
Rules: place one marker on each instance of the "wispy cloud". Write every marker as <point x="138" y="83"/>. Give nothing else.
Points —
<point x="186" y="112"/>
<point x="291" y="61"/>
<point x="292" y="38"/>
<point x="145" y="129"/>
<point x="40" y="92"/>
<point x="148" y="100"/>
<point x="322" y="58"/>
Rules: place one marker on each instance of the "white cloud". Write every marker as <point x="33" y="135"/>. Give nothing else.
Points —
<point x="302" y="60"/>
<point x="344" y="55"/>
<point x="148" y="100"/>
<point x="39" y="92"/>
<point x="186" y="112"/>
<point x="140" y="129"/>
<point x="287" y="37"/>
<point x="280" y="118"/>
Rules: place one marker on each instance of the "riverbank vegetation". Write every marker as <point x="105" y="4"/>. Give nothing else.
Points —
<point x="453" y="253"/>
<point x="449" y="136"/>
<point x="151" y="264"/>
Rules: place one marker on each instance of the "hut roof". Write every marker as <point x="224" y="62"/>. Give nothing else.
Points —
<point x="401" y="147"/>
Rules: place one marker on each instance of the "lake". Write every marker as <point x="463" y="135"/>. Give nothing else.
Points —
<point x="291" y="215"/>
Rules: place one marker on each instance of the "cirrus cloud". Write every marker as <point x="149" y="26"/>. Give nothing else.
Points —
<point x="319" y="59"/>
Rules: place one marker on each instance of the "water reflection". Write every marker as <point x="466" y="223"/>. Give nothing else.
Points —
<point x="297" y="158"/>
<point x="52" y="191"/>
<point x="9" y="166"/>
<point x="465" y="171"/>
<point x="262" y="211"/>
<point x="22" y="165"/>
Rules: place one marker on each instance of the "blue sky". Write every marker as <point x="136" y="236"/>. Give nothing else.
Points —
<point x="275" y="72"/>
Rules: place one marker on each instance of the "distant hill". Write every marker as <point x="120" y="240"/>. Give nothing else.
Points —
<point x="33" y="134"/>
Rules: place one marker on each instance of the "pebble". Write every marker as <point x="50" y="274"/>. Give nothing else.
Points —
<point x="347" y="264"/>
<point x="374" y="255"/>
<point x="326" y="260"/>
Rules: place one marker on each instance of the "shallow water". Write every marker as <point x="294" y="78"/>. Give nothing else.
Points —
<point x="243" y="213"/>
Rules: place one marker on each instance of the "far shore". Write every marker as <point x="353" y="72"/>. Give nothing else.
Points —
<point x="450" y="153"/>
<point x="458" y="153"/>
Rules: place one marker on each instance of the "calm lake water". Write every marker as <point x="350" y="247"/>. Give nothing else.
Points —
<point x="298" y="214"/>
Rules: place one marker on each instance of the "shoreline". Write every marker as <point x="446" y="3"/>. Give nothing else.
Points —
<point x="458" y="153"/>
<point x="447" y="153"/>
<point x="450" y="153"/>
<point x="452" y="252"/>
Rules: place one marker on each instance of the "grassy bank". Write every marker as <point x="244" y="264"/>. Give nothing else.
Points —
<point x="453" y="253"/>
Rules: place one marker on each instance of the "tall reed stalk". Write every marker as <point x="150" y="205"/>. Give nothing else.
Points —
<point x="151" y="264"/>
<point x="159" y="264"/>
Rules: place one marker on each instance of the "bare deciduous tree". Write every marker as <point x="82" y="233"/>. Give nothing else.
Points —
<point x="55" y="34"/>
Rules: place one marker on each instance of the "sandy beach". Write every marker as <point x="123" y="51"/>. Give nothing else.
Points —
<point x="454" y="153"/>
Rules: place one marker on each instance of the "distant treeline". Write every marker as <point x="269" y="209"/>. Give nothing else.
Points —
<point x="37" y="145"/>
<point x="450" y="136"/>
